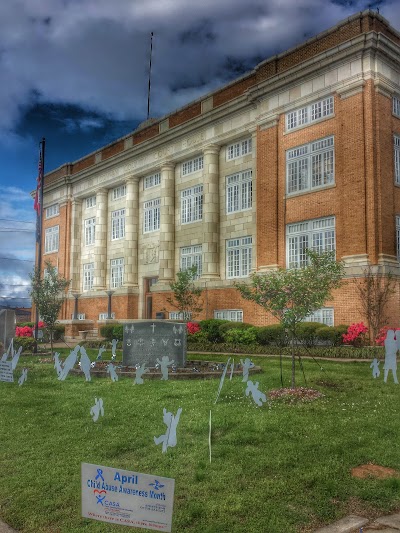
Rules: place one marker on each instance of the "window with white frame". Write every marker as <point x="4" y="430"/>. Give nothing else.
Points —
<point x="238" y="149"/>
<point x="398" y="237"/>
<point x="88" y="276"/>
<point x="238" y="257"/>
<point x="118" y="224"/>
<point x="80" y="316"/>
<point x="175" y="315"/>
<point x="119" y="192"/>
<point x="310" y="166"/>
<point x="192" y="204"/>
<point x="397" y="159"/>
<point x="117" y="272"/>
<point x="104" y="316"/>
<point x="396" y="106"/>
<point x="90" y="229"/>
<point x="310" y="113"/>
<point x="188" y="167"/>
<point x="323" y="315"/>
<point x="152" y="181"/>
<point x="192" y="255"/>
<point x="51" y="239"/>
<point x="234" y="315"/>
<point x="318" y="235"/>
<point x="151" y="213"/>
<point x="90" y="202"/>
<point x="239" y="191"/>
<point x="52" y="210"/>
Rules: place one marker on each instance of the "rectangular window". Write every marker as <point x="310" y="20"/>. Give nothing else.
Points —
<point x="88" y="276"/>
<point x="192" y="204"/>
<point x="151" y="213"/>
<point x="310" y="166"/>
<point x="238" y="149"/>
<point x="152" y="181"/>
<point x="90" y="228"/>
<point x="90" y="202"/>
<point x="119" y="192"/>
<point x="316" y="235"/>
<point x="238" y="257"/>
<point x="239" y="191"/>
<point x="51" y="240"/>
<point x="175" y="315"/>
<point x="80" y="316"/>
<point x="192" y="255"/>
<point x="117" y="272"/>
<point x="52" y="211"/>
<point x="104" y="316"/>
<point x="188" y="167"/>
<point x="398" y="237"/>
<point x="397" y="159"/>
<point x="118" y="224"/>
<point x="396" y="106"/>
<point x="234" y="315"/>
<point x="310" y="113"/>
<point x="323" y="315"/>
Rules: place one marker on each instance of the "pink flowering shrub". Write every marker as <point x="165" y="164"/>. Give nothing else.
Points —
<point x="355" y="334"/>
<point x="381" y="337"/>
<point x="27" y="331"/>
<point x="193" y="327"/>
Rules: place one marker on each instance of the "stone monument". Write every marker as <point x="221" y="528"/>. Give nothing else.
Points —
<point x="145" y="341"/>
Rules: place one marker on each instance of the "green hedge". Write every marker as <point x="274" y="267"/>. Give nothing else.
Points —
<point x="332" y="334"/>
<point x="274" y="334"/>
<point x="210" y="328"/>
<point x="27" y="343"/>
<point x="240" y="335"/>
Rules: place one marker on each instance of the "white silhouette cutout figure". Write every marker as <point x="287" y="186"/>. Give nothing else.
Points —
<point x="23" y="377"/>
<point x="114" y="343"/>
<point x="16" y="358"/>
<point x="246" y="367"/>
<point x="139" y="373"/>
<point x="69" y="363"/>
<point x="391" y="347"/>
<point x="112" y="372"/>
<point x="57" y="363"/>
<point x="164" y="364"/>
<point x="97" y="409"/>
<point x="375" y="368"/>
<point x="100" y="354"/>
<point x="171" y="421"/>
<point x="258" y="396"/>
<point x="85" y="364"/>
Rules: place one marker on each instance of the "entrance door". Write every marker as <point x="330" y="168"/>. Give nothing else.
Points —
<point x="148" y="297"/>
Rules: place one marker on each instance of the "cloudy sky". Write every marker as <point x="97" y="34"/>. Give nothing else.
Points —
<point x="76" y="73"/>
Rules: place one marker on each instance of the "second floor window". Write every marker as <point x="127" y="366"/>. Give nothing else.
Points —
<point x="192" y="255"/>
<point x="398" y="237"/>
<point x="51" y="239"/>
<point x="318" y="235"/>
<point x="396" y="106"/>
<point x="52" y="211"/>
<point x="192" y="204"/>
<point x="119" y="192"/>
<point x="397" y="159"/>
<point x="90" y="227"/>
<point x="310" y="166"/>
<point x="152" y="181"/>
<point x="117" y="272"/>
<point x="151" y="211"/>
<point x="188" y="167"/>
<point x="88" y="276"/>
<point x="310" y="113"/>
<point x="239" y="257"/>
<point x="239" y="191"/>
<point x="90" y="202"/>
<point x="118" y="224"/>
<point x="238" y="149"/>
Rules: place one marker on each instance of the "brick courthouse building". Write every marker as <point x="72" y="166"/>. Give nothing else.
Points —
<point x="303" y="151"/>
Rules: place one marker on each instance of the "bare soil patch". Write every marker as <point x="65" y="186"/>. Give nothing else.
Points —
<point x="374" y="471"/>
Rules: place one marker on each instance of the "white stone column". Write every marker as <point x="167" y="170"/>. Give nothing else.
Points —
<point x="211" y="210"/>
<point x="167" y="225"/>
<point x="100" y="244"/>
<point x="76" y="238"/>
<point x="132" y="233"/>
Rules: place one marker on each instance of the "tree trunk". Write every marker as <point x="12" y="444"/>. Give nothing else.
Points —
<point x="51" y="343"/>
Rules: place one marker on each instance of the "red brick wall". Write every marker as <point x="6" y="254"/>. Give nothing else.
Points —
<point x="185" y="114"/>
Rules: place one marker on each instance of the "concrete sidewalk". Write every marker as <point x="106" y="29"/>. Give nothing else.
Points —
<point x="4" y="528"/>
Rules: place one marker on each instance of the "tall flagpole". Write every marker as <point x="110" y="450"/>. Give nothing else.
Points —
<point x="148" y="92"/>
<point x="39" y="221"/>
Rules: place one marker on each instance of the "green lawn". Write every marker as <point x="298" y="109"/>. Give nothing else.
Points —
<point x="280" y="468"/>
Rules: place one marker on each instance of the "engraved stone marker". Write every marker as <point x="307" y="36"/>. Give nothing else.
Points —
<point x="146" y="341"/>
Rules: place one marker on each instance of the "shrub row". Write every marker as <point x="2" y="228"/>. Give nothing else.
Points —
<point x="308" y="334"/>
<point x="111" y="331"/>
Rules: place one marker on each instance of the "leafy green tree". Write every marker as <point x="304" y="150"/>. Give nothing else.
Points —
<point x="48" y="295"/>
<point x="291" y="295"/>
<point x="187" y="297"/>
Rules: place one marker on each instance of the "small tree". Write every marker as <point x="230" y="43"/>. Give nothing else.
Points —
<point x="186" y="298"/>
<point x="374" y="292"/>
<point x="48" y="295"/>
<point x="291" y="295"/>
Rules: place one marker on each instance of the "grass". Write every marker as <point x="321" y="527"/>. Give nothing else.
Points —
<point x="284" y="467"/>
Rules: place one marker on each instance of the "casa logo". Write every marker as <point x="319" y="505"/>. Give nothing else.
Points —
<point x="100" y="496"/>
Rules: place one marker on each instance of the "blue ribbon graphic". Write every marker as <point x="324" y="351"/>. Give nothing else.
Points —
<point x="99" y="474"/>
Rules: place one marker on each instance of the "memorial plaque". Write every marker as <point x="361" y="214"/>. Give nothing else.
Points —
<point x="147" y="341"/>
<point x="6" y="371"/>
